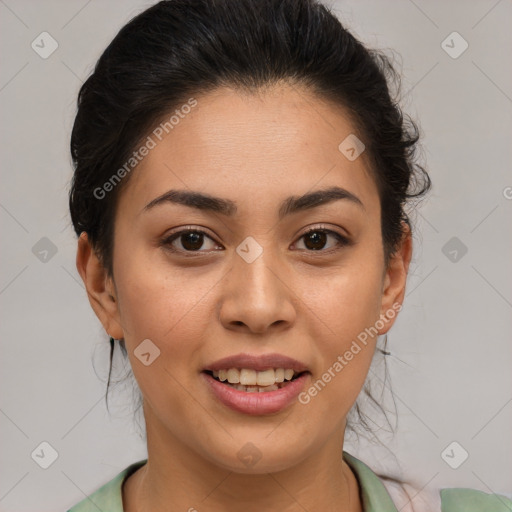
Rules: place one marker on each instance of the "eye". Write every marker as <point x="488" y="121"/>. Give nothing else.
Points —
<point x="317" y="238"/>
<point x="189" y="240"/>
<point x="193" y="240"/>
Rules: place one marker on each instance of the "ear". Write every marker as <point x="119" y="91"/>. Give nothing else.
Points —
<point x="100" y="288"/>
<point x="395" y="277"/>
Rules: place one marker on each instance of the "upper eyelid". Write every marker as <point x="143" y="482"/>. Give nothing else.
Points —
<point x="323" y="228"/>
<point x="168" y="239"/>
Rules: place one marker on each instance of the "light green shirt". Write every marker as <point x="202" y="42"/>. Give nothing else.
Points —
<point x="374" y="495"/>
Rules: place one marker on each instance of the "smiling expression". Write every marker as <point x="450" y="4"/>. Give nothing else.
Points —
<point x="249" y="173"/>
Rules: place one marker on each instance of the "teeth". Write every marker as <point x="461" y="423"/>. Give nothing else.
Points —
<point x="253" y="379"/>
<point x="233" y="376"/>
<point x="269" y="388"/>
<point x="248" y="377"/>
<point x="253" y="389"/>
<point x="266" y="378"/>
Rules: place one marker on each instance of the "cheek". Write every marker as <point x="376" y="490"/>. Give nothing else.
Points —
<point x="348" y="305"/>
<point x="171" y="310"/>
<point x="350" y="350"/>
<point x="158" y="299"/>
<point x="347" y="299"/>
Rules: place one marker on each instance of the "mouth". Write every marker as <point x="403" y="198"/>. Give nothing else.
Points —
<point x="262" y="394"/>
<point x="252" y="381"/>
<point x="256" y="384"/>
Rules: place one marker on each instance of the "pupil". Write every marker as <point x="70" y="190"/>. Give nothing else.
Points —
<point x="192" y="241"/>
<point x="317" y="240"/>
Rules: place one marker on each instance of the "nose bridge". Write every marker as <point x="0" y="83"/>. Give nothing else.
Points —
<point x="256" y="294"/>
<point x="256" y="267"/>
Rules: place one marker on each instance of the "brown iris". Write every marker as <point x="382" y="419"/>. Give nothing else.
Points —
<point x="192" y="241"/>
<point x="315" y="240"/>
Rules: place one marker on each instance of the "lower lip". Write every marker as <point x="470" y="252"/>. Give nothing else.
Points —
<point x="256" y="403"/>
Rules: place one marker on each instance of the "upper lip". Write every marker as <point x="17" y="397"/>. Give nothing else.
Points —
<point x="257" y="362"/>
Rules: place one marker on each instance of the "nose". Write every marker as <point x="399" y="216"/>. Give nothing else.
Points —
<point x="257" y="297"/>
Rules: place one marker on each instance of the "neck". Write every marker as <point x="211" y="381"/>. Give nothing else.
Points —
<point x="178" y="478"/>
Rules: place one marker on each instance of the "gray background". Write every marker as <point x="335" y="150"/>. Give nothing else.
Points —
<point x="451" y="350"/>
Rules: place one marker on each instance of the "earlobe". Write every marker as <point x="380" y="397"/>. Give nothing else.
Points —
<point x="99" y="287"/>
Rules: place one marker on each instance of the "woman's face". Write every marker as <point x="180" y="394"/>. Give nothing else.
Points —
<point x="251" y="284"/>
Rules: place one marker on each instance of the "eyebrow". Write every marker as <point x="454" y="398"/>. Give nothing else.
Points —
<point x="290" y="205"/>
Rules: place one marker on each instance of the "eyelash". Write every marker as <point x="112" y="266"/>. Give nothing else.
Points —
<point x="342" y="241"/>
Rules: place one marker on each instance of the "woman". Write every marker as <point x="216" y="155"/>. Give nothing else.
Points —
<point x="241" y="178"/>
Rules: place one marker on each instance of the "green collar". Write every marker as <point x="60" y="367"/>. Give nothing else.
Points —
<point x="374" y="496"/>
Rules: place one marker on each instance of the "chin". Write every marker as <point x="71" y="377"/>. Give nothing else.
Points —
<point x="256" y="458"/>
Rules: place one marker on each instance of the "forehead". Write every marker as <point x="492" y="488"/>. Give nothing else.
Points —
<point x="251" y="147"/>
